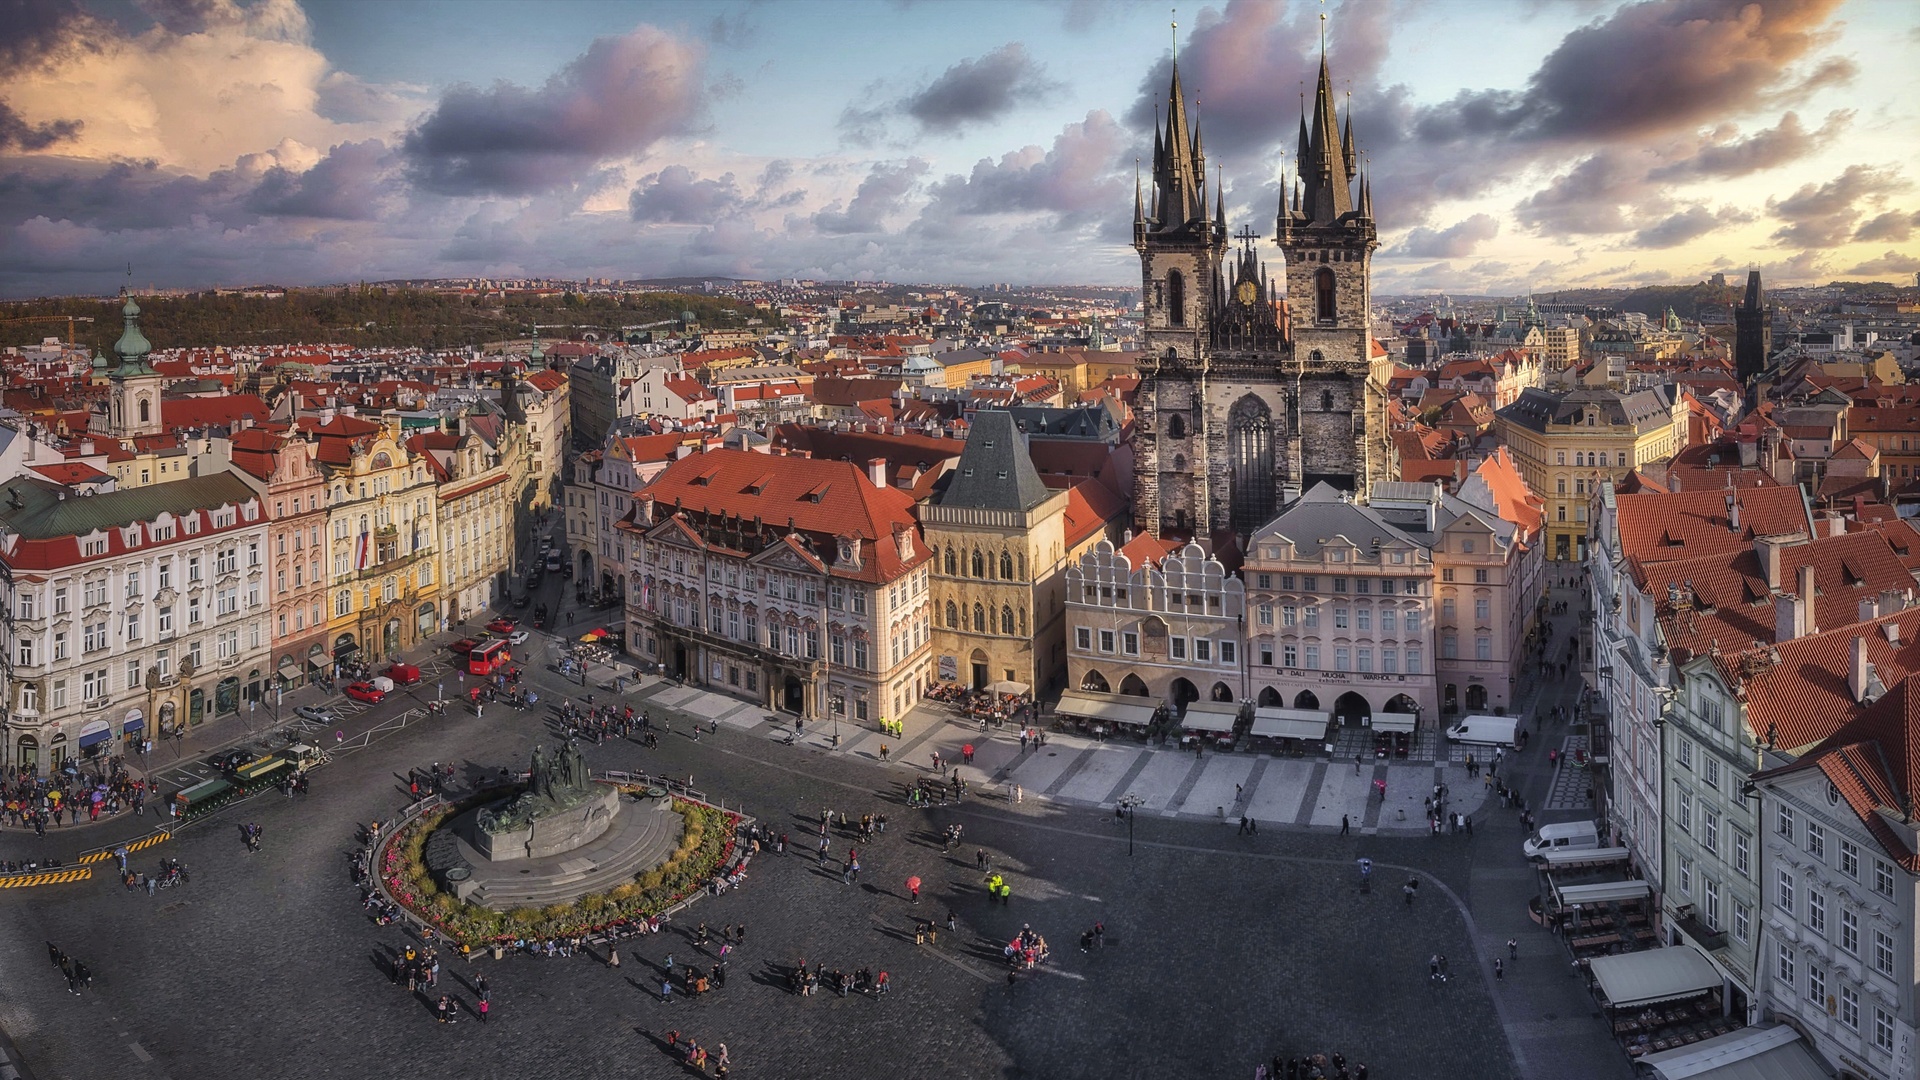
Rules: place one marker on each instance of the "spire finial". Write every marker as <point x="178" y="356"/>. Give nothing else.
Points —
<point x="1175" y="28"/>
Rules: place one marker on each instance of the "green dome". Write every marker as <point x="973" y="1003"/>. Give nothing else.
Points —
<point x="133" y="346"/>
<point x="99" y="359"/>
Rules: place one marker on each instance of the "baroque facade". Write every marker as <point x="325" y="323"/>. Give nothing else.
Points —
<point x="1246" y="400"/>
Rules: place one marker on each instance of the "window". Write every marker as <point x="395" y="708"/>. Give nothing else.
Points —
<point x="96" y="593"/>
<point x="1130" y="643"/>
<point x="1683" y="810"/>
<point x="1482" y="647"/>
<point x="1413" y="660"/>
<point x="1311" y="617"/>
<point x="1390" y="661"/>
<point x="1742" y="922"/>
<point x="1683" y="752"/>
<point x="1882" y="953"/>
<point x="1202" y="650"/>
<point x="59" y="645"/>
<point x="1340" y="660"/>
<point x="1266" y="614"/>
<point x="166" y="620"/>
<point x="1710" y="831"/>
<point x="1363" y="659"/>
<point x="1816" y="841"/>
<point x="1289" y="615"/>
<point x="1743" y="854"/>
<point x="1312" y="655"/>
<point x="1289" y="656"/>
<point x="1882" y="877"/>
<point x="1784" y="825"/>
<point x="59" y="696"/>
<point x="1363" y="618"/>
<point x="1413" y="628"/>
<point x="59" y="599"/>
<point x="1083" y="638"/>
<point x="133" y="626"/>
<point x="1106" y="641"/>
<point x="1686" y="875"/>
<point x="96" y="636"/>
<point x="1710" y="766"/>
<point x="1339" y="618"/>
<point x="1849" y="1007"/>
<point x="1816" y="909"/>
<point x="1783" y="891"/>
<point x="1228" y="653"/>
<point x="1783" y="964"/>
<point x="1482" y="611"/>
<point x="1177" y="648"/>
<point x="1710" y="889"/>
<point x="1850" y="859"/>
<point x="1882" y="1030"/>
<point x="1817" y="986"/>
<point x="1849" y="932"/>
<point x="343" y="603"/>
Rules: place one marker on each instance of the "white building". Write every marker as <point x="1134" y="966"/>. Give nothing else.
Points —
<point x="1157" y="620"/>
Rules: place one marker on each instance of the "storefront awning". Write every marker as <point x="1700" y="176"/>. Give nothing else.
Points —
<point x="1564" y="860"/>
<point x="1210" y="716"/>
<point x="1110" y="708"/>
<point x="1277" y="723"/>
<point x="1394" y="721"/>
<point x="288" y="669"/>
<point x="96" y="731"/>
<point x="1008" y="686"/>
<point x="1755" y="1053"/>
<point x="1603" y="892"/>
<point x="1647" y="978"/>
<point x="318" y="663"/>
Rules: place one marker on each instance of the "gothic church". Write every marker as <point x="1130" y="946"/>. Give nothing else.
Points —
<point x="1247" y="399"/>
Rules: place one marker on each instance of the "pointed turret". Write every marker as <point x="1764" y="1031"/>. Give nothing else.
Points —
<point x="1139" y="208"/>
<point x="1300" y="158"/>
<point x="1329" y="195"/>
<point x="1220" y="204"/>
<point x="1366" y="197"/>
<point x="1346" y="141"/>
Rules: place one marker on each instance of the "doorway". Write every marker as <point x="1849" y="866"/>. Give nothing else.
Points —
<point x="793" y="696"/>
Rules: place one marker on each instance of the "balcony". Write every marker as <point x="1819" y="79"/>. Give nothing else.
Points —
<point x="1688" y="920"/>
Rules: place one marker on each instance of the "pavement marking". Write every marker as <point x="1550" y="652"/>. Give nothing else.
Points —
<point x="1179" y="797"/>
<point x="1310" y="801"/>
<point x="57" y="877"/>
<point x="139" y="1052"/>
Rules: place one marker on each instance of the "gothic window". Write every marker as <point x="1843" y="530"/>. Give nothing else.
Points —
<point x="1177" y="426"/>
<point x="1250" y="463"/>
<point x="1006" y="566"/>
<point x="1323" y="294"/>
<point x="979" y="565"/>
<point x="950" y="567"/>
<point x="979" y="619"/>
<point x="1006" y="620"/>
<point x="1176" y="299"/>
<point x="1179" y="463"/>
<point x="953" y="615"/>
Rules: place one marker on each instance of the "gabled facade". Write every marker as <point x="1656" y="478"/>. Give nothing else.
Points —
<point x="1157" y="620"/>
<point x="383" y="574"/>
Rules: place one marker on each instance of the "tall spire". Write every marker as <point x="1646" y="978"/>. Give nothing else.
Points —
<point x="1329" y="195"/>
<point x="1346" y="141"/>
<point x="1139" y="209"/>
<point x="1220" y="201"/>
<point x="1178" y="177"/>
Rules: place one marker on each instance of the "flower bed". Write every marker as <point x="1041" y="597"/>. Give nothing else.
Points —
<point x="706" y="845"/>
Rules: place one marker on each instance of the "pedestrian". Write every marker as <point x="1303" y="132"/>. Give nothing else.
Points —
<point x="1499" y="969"/>
<point x="1433" y="968"/>
<point x="1017" y="793"/>
<point x="1513" y="949"/>
<point x="1346" y="825"/>
<point x="666" y="990"/>
<point x="483" y="1010"/>
<point x="613" y="956"/>
<point x="953" y="924"/>
<point x="1099" y="934"/>
<point x="1443" y="969"/>
<point x="1356" y="764"/>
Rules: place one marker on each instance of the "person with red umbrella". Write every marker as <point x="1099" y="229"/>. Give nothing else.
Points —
<point x="913" y="888"/>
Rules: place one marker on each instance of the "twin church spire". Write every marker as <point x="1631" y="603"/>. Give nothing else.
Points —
<point x="1326" y="167"/>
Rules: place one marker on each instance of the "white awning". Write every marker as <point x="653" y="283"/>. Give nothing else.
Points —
<point x="1210" y="716"/>
<point x="1754" y="1053"/>
<point x="1009" y="687"/>
<point x="1647" y="978"/>
<point x="1275" y="723"/>
<point x="1604" y="892"/>
<point x="1110" y="708"/>
<point x="1561" y="860"/>
<point x="1393" y="721"/>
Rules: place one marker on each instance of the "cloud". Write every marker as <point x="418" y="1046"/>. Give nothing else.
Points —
<point x="620" y="97"/>
<point x="675" y="194"/>
<point x="17" y="133"/>
<point x="1684" y="225"/>
<point x="1891" y="262"/>
<point x="1589" y="198"/>
<point x="1456" y="241"/>
<point x="1728" y="157"/>
<point x="1895" y="225"/>
<point x="1823" y="216"/>
<point x="349" y="184"/>
<point x="1080" y="174"/>
<point x="882" y="194"/>
<point x="979" y="90"/>
<point x="41" y="33"/>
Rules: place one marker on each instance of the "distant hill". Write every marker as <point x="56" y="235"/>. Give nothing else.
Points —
<point x="372" y="316"/>
<point x="1687" y="301"/>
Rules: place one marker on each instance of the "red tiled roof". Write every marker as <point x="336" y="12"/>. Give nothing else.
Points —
<point x="1683" y="524"/>
<point x="1804" y="697"/>
<point x="1090" y="506"/>
<point x="222" y="411"/>
<point x="1874" y="762"/>
<point x="1148" y="549"/>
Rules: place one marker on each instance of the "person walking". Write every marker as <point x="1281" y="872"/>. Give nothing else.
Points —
<point x="482" y="1009"/>
<point x="1513" y="949"/>
<point x="1346" y="825"/>
<point x="1499" y="969"/>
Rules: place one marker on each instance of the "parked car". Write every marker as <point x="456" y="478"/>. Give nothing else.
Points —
<point x="319" y="714"/>
<point x="522" y="600"/>
<point x="518" y="637"/>
<point x="462" y="647"/>
<point x="403" y="674"/>
<point x="229" y="760"/>
<point x="365" y="691"/>
<point x="502" y="625"/>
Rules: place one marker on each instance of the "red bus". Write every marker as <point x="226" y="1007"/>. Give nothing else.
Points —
<point x="488" y="657"/>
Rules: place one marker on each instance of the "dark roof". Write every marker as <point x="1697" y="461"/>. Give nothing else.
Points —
<point x="1642" y="410"/>
<point x="1323" y="513"/>
<point x="50" y="511"/>
<point x="995" y="471"/>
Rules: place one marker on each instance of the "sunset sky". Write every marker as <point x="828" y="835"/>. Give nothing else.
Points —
<point x="1514" y="146"/>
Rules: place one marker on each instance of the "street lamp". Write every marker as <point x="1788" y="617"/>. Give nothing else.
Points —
<point x="1125" y="808"/>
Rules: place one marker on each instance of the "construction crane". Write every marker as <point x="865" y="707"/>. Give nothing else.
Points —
<point x="71" y="319"/>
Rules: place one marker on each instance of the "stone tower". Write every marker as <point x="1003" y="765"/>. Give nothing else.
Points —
<point x="1247" y="400"/>
<point x="133" y="401"/>
<point x="1752" y="331"/>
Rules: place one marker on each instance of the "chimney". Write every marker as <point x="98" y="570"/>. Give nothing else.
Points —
<point x="1769" y="551"/>
<point x="86" y="447"/>
<point x="1786" y="618"/>
<point x="877" y="471"/>
<point x="1892" y="601"/>
<point x="1857" y="671"/>
<point x="1733" y="513"/>
<point x="1869" y="609"/>
<point x="1810" y="621"/>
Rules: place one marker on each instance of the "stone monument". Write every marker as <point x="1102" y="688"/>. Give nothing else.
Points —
<point x="561" y="809"/>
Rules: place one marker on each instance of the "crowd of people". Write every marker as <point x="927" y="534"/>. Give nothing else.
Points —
<point x="1311" y="1067"/>
<point x="30" y="800"/>
<point x="78" y="975"/>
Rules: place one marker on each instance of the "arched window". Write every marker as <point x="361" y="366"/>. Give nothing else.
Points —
<point x="1023" y="565"/>
<point x="953" y="616"/>
<point x="146" y="410"/>
<point x="1023" y="622"/>
<point x="979" y="619"/>
<point x="1179" y="463"/>
<point x="979" y="565"/>
<point x="1177" y="426"/>
<point x="1176" y="299"/>
<point x="950" y="568"/>
<point x="1323" y="294"/>
<point x="1326" y="401"/>
<point x="1006" y="620"/>
<point x="1006" y="566"/>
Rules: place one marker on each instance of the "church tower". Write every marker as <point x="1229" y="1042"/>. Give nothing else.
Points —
<point x="133" y="402"/>
<point x="1328" y="238"/>
<point x="1752" y="331"/>
<point x="1181" y="251"/>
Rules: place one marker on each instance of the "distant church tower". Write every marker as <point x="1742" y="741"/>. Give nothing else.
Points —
<point x="1245" y="400"/>
<point x="1752" y="331"/>
<point x="133" y="399"/>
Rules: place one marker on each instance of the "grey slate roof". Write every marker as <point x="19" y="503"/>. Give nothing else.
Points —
<point x="1643" y="410"/>
<point x="995" y="471"/>
<point x="1324" y="513"/>
<point x="44" y="515"/>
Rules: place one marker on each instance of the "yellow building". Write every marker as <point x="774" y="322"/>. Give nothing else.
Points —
<point x="383" y="585"/>
<point x="1565" y="444"/>
<point x="1002" y="541"/>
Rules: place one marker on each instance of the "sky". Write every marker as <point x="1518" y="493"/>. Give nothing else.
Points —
<point x="1514" y="146"/>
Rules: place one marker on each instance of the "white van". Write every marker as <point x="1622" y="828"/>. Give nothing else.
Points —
<point x="1562" y="836"/>
<point x="1485" y="731"/>
<point x="553" y="560"/>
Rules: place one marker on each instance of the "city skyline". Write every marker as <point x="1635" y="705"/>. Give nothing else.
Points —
<point x="218" y="143"/>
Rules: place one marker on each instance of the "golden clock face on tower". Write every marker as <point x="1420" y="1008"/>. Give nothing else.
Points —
<point x="1247" y="292"/>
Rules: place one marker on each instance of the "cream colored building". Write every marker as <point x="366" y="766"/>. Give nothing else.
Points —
<point x="1001" y="542"/>
<point x="383" y="578"/>
<point x="1567" y="444"/>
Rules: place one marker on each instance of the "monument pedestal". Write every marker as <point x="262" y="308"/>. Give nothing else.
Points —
<point x="551" y="833"/>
